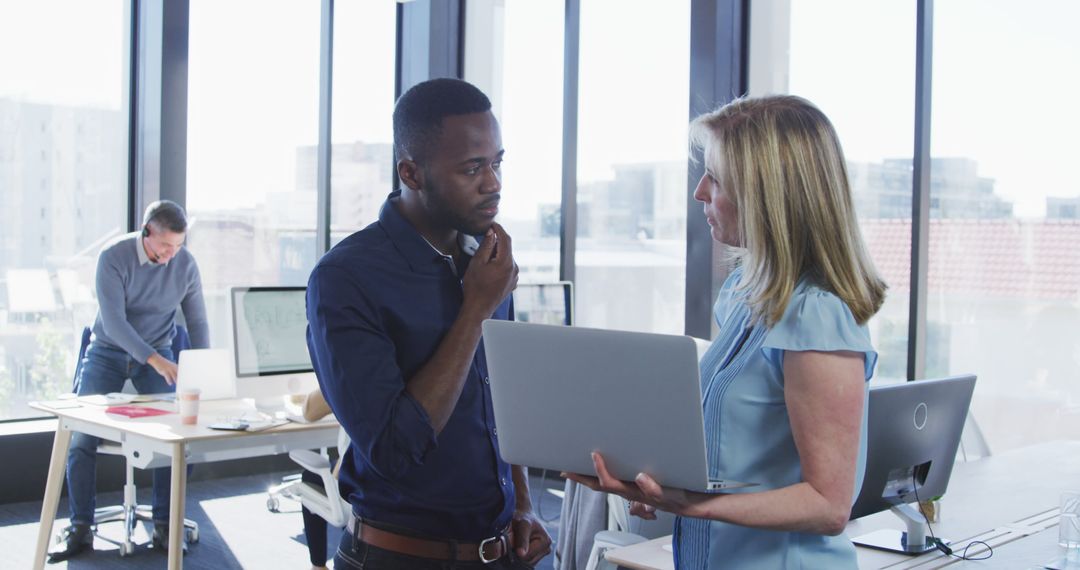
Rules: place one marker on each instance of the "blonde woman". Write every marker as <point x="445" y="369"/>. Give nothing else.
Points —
<point x="785" y="380"/>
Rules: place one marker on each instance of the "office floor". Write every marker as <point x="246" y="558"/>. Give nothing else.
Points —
<point x="236" y="531"/>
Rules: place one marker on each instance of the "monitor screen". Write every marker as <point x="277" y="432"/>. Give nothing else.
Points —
<point x="544" y="303"/>
<point x="270" y="331"/>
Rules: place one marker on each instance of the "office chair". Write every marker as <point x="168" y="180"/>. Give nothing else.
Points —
<point x="334" y="512"/>
<point x="973" y="443"/>
<point x="289" y="488"/>
<point x="326" y="502"/>
<point x="129" y="512"/>
<point x="624" y="530"/>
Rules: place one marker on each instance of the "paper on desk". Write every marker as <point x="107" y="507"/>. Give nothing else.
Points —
<point x="135" y="411"/>
<point x="259" y="426"/>
<point x="113" y="398"/>
<point x="60" y="404"/>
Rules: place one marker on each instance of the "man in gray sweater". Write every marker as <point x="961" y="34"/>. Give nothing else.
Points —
<point x="142" y="278"/>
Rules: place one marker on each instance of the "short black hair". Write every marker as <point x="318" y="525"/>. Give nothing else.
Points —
<point x="418" y="113"/>
<point x="166" y="215"/>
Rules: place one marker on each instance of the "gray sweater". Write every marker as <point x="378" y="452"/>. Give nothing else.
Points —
<point x="137" y="299"/>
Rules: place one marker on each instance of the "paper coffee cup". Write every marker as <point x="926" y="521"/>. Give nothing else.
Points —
<point x="188" y="400"/>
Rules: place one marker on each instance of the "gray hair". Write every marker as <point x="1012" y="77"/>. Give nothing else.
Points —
<point x="166" y="215"/>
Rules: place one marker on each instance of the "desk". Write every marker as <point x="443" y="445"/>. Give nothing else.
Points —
<point x="649" y="555"/>
<point x="1009" y="500"/>
<point x="162" y="440"/>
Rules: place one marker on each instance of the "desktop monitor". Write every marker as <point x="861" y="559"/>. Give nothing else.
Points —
<point x="270" y="343"/>
<point x="545" y="303"/>
<point x="913" y="434"/>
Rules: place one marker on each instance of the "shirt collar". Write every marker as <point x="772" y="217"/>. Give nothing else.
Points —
<point x="140" y="249"/>
<point x="420" y="255"/>
<point x="466" y="242"/>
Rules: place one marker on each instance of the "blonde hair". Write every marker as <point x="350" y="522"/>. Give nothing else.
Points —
<point x="788" y="180"/>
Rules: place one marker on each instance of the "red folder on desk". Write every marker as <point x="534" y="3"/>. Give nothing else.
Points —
<point x="135" y="411"/>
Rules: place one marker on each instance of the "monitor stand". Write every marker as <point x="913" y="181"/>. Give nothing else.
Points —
<point x="278" y="395"/>
<point x="913" y="542"/>
<point x="273" y="406"/>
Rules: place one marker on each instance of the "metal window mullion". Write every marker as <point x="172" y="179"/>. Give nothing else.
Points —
<point x="920" y="197"/>
<point x="399" y="56"/>
<point x="131" y="59"/>
<point x="325" y="147"/>
<point x="160" y="101"/>
<point x="568" y="211"/>
<point x="718" y="55"/>
<point x="174" y="99"/>
<point x="447" y="40"/>
<point x="147" y="74"/>
<point x="429" y="41"/>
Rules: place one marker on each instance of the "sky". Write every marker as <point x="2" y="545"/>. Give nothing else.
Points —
<point x="1004" y="84"/>
<point x="76" y="59"/>
<point x="528" y="99"/>
<point x="1005" y="79"/>
<point x="632" y="99"/>
<point x="253" y="99"/>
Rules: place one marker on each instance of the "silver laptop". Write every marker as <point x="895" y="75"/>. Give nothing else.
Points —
<point x="560" y="393"/>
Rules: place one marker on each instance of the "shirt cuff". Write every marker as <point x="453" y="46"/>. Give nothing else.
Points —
<point x="143" y="353"/>
<point x="412" y="429"/>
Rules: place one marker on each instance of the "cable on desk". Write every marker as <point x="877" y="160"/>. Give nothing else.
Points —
<point x="940" y="544"/>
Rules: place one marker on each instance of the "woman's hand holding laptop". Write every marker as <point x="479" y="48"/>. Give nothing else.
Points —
<point x="644" y="493"/>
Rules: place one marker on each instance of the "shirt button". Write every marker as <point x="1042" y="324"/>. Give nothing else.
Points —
<point x="502" y="480"/>
<point x="487" y="380"/>
<point x="494" y="431"/>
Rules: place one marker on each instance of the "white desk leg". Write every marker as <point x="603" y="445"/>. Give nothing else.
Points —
<point x="53" y="485"/>
<point x="176" y="507"/>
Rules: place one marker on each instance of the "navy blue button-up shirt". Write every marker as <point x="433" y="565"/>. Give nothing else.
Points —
<point x="378" y="304"/>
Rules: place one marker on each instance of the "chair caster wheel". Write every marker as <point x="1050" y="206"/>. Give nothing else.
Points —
<point x="127" y="549"/>
<point x="272" y="504"/>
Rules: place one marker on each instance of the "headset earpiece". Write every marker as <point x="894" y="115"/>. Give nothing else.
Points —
<point x="146" y="230"/>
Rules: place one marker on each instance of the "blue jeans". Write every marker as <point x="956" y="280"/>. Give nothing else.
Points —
<point x="354" y="554"/>
<point x="104" y="370"/>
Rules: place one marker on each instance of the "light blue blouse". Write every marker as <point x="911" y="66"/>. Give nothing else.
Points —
<point x="748" y="432"/>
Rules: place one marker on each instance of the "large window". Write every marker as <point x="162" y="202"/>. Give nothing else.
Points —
<point x="362" y="163"/>
<point x="634" y="77"/>
<point x="856" y="61"/>
<point x="253" y="108"/>
<point x="514" y="53"/>
<point x="63" y="184"/>
<point x="1004" y="276"/>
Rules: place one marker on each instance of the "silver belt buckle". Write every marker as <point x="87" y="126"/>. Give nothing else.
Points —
<point x="487" y="541"/>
